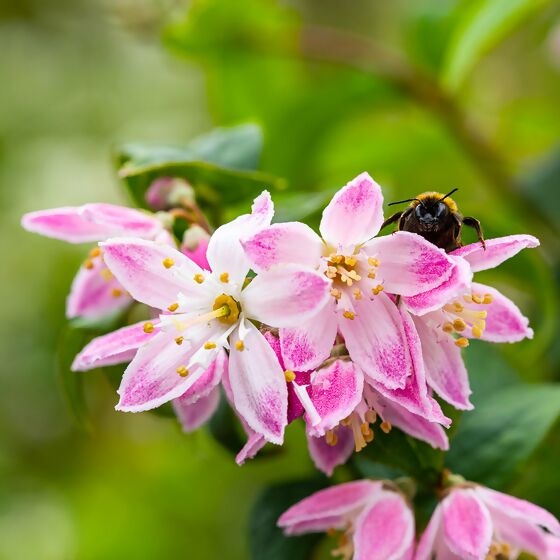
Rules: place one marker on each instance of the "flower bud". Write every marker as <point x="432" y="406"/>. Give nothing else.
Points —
<point x="166" y="192"/>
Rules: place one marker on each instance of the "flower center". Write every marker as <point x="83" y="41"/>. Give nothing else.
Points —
<point x="228" y="308"/>
<point x="342" y="270"/>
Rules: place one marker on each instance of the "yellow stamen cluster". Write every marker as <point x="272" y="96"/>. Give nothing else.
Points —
<point x="182" y="371"/>
<point x="341" y="268"/>
<point x="289" y="375"/>
<point x="230" y="309"/>
<point x="361" y="428"/>
<point x="345" y="548"/>
<point x="148" y="328"/>
<point x="499" y="551"/>
<point x="168" y="262"/>
<point x="93" y="254"/>
<point x="463" y="317"/>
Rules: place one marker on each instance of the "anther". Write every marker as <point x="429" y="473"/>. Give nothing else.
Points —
<point x="458" y="307"/>
<point x="182" y="371"/>
<point x="459" y="325"/>
<point x="462" y="342"/>
<point x="331" y="438"/>
<point x="369" y="436"/>
<point x="467" y="299"/>
<point x="179" y="340"/>
<point x="488" y="298"/>
<point x="476" y="332"/>
<point x="95" y="252"/>
<point x="88" y="264"/>
<point x="173" y="307"/>
<point x="115" y="292"/>
<point x="477" y="298"/>
<point x="337" y="294"/>
<point x="350" y="261"/>
<point x="447" y="327"/>
<point x="106" y="274"/>
<point x="378" y="289"/>
<point x="167" y="262"/>
<point x="385" y="426"/>
<point x="349" y="315"/>
<point x="357" y="293"/>
<point x="371" y="416"/>
<point x="365" y="428"/>
<point x="198" y="278"/>
<point x="371" y="274"/>
<point x="240" y="345"/>
<point x="209" y="345"/>
<point x="224" y="277"/>
<point x="148" y="328"/>
<point x="373" y="262"/>
<point x="331" y="532"/>
<point x="289" y="375"/>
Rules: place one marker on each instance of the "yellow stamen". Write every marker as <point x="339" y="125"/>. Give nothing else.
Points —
<point x="224" y="277"/>
<point x="458" y="307"/>
<point x="182" y="371"/>
<point x="468" y="299"/>
<point x="331" y="532"/>
<point x="337" y="294"/>
<point x="375" y="291"/>
<point x="488" y="298"/>
<point x="357" y="294"/>
<point x="371" y="416"/>
<point x="349" y="315"/>
<point x="386" y="426"/>
<point x="198" y="278"/>
<point x="459" y="325"/>
<point x="95" y="252"/>
<point x="209" y="345"/>
<point x="373" y="262"/>
<point x="365" y="428"/>
<point x="240" y="345"/>
<point x="448" y="327"/>
<point x="148" y="328"/>
<point x="115" y="292"/>
<point x="476" y="332"/>
<point x="477" y="298"/>
<point x="179" y="340"/>
<point x="167" y="262"/>
<point x="229" y="307"/>
<point x="337" y="259"/>
<point x="289" y="375"/>
<point x="371" y="275"/>
<point x="369" y="436"/>
<point x="88" y="264"/>
<point x="106" y="274"/>
<point x="173" y="307"/>
<point x="462" y="342"/>
<point x="350" y="261"/>
<point x="331" y="438"/>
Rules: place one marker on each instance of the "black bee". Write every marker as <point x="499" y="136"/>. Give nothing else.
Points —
<point x="436" y="218"/>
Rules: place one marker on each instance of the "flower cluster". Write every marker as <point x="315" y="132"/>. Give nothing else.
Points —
<point x="343" y="329"/>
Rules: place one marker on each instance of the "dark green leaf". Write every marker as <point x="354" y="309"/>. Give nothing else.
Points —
<point x="267" y="541"/>
<point x="223" y="426"/>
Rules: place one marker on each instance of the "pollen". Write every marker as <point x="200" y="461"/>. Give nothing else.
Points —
<point x="182" y="371"/>
<point x="331" y="438"/>
<point x="349" y="315"/>
<point x="95" y="252"/>
<point x="476" y="332"/>
<point x="357" y="294"/>
<point x="488" y="298"/>
<point x="377" y="290"/>
<point x="477" y="298"/>
<point x="448" y="327"/>
<point x="209" y="345"/>
<point x="350" y="261"/>
<point x="371" y="416"/>
<point x="173" y="307"/>
<point x="371" y="274"/>
<point x="148" y="328"/>
<point x="88" y="264"/>
<point x="167" y="262"/>
<point x="179" y="340"/>
<point x="459" y="325"/>
<point x="462" y="342"/>
<point x="229" y="309"/>
<point x="240" y="345"/>
<point x="373" y="262"/>
<point x="106" y="274"/>
<point x="224" y="277"/>
<point x="289" y="375"/>
<point x="115" y="292"/>
<point x="337" y="294"/>
<point x="386" y="426"/>
<point x="458" y="307"/>
<point x="198" y="278"/>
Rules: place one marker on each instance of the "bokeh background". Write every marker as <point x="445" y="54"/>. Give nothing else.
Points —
<point x="430" y="94"/>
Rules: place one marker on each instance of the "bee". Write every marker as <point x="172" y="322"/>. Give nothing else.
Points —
<point x="436" y="218"/>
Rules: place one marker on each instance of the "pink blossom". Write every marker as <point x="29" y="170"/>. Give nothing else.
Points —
<point x="95" y="292"/>
<point x="475" y="523"/>
<point x="375" y="518"/>
<point x="360" y="270"/>
<point x="203" y="312"/>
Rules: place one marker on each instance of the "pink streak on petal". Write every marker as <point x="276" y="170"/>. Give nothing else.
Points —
<point x="497" y="250"/>
<point x="113" y="348"/>
<point x="327" y="457"/>
<point x="120" y="220"/>
<point x="354" y="214"/>
<point x="208" y="380"/>
<point x="285" y="243"/>
<point x="467" y="525"/>
<point x="385" y="529"/>
<point x="192" y="415"/>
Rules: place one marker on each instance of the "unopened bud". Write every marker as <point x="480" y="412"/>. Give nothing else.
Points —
<point x="195" y="244"/>
<point x="166" y="192"/>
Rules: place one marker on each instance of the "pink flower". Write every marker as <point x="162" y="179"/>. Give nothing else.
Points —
<point x="360" y="270"/>
<point x="204" y="312"/>
<point x="195" y="245"/>
<point x="339" y="407"/>
<point x="474" y="523"/>
<point x="376" y="519"/>
<point x="469" y="310"/>
<point x="95" y="292"/>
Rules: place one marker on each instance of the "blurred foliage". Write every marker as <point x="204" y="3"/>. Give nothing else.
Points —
<point x="423" y="95"/>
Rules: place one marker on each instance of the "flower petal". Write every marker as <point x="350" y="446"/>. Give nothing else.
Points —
<point x="497" y="250"/>
<point x="458" y="283"/>
<point x="336" y="390"/>
<point x="95" y="293"/>
<point x="285" y="243"/>
<point x="445" y="370"/>
<point x="285" y="296"/>
<point x="309" y="345"/>
<point x="113" y="348"/>
<point x="376" y="341"/>
<point x="254" y="444"/>
<point x="354" y="214"/>
<point x="326" y="457"/>
<point x="138" y="266"/>
<point x="331" y="507"/>
<point x="385" y="529"/>
<point x="258" y="385"/>
<point x="519" y="509"/>
<point x="120" y="220"/>
<point x="192" y="415"/>
<point x="504" y="322"/>
<point x="467" y="525"/>
<point x="429" y="540"/>
<point x="225" y="253"/>
<point x="208" y="380"/>
<point x="195" y="245"/>
<point x="409" y="265"/>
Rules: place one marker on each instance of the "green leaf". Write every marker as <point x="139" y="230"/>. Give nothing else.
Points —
<point x="502" y="432"/>
<point x="481" y="25"/>
<point x="223" y="427"/>
<point x="218" y="165"/>
<point x="267" y="542"/>
<point x="71" y="341"/>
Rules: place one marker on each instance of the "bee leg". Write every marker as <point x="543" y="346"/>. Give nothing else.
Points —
<point x="474" y="223"/>
<point x="391" y="220"/>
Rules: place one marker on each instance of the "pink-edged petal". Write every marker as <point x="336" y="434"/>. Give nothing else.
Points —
<point x="429" y="539"/>
<point x="354" y="214"/>
<point x="195" y="245"/>
<point x="208" y="380"/>
<point x="286" y="243"/>
<point x="376" y="341"/>
<point x="412" y="424"/>
<point x="192" y="415"/>
<point x="258" y="385"/>
<point x="120" y="220"/>
<point x="414" y="396"/>
<point x="308" y="345"/>
<point x="331" y="507"/>
<point x="409" y="265"/>
<point x="458" y="283"/>
<point x="336" y="390"/>
<point x="504" y="320"/>
<point x="285" y="296"/>
<point x="520" y="509"/>
<point x="95" y="293"/>
<point x="225" y="253"/>
<point x="113" y="348"/>
<point x="327" y="457"/>
<point x="467" y="525"/>
<point x="497" y="250"/>
<point x="138" y="266"/>
<point x="445" y="370"/>
<point x="254" y="444"/>
<point x="385" y="529"/>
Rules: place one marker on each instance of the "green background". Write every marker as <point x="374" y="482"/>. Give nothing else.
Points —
<point x="431" y="94"/>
